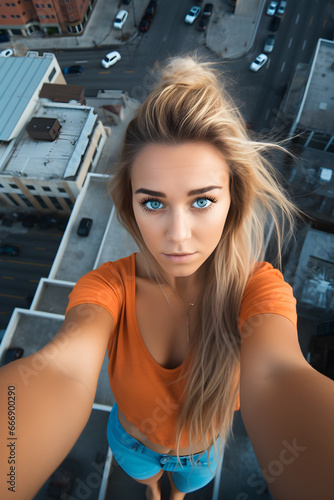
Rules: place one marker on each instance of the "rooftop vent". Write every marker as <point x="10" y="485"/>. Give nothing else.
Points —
<point x="45" y="129"/>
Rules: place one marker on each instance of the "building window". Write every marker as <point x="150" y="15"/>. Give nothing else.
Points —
<point x="12" y="15"/>
<point x="14" y="186"/>
<point x="69" y="9"/>
<point x="17" y="15"/>
<point x="8" y="5"/>
<point x="1" y="186"/>
<point x="40" y="200"/>
<point x="25" y="200"/>
<point x="52" y="74"/>
<point x="56" y="203"/>
<point x="12" y="199"/>
<point x="41" y="16"/>
<point x="46" y="188"/>
<point x="43" y="5"/>
<point x="62" y="190"/>
<point x="37" y="5"/>
<point x="3" y="16"/>
<point x="49" y="5"/>
<point x="30" y="187"/>
<point x="52" y="16"/>
<point x="69" y="202"/>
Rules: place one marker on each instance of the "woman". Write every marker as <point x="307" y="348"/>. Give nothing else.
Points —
<point x="190" y="321"/>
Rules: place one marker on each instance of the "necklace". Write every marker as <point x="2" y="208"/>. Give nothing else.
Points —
<point x="188" y="307"/>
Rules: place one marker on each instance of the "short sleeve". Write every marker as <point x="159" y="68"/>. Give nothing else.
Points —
<point x="102" y="287"/>
<point x="267" y="292"/>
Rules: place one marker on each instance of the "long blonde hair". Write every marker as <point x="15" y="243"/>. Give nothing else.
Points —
<point x="189" y="104"/>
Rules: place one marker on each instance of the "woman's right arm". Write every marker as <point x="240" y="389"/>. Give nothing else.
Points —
<point x="54" y="391"/>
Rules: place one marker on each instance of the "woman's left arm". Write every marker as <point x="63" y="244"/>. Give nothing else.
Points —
<point x="288" y="411"/>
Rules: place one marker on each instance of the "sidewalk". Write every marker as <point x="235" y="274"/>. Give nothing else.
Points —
<point x="229" y="35"/>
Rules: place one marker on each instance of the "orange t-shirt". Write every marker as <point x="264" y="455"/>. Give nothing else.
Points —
<point x="148" y="394"/>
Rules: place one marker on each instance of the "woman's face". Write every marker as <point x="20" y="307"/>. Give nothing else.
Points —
<point x="181" y="199"/>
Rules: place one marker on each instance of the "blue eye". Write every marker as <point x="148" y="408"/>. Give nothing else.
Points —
<point x="152" y="204"/>
<point x="202" y="202"/>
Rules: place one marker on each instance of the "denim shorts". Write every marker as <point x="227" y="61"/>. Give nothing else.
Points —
<point x="140" y="462"/>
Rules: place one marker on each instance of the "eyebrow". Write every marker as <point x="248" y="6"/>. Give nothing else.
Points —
<point x="193" y="192"/>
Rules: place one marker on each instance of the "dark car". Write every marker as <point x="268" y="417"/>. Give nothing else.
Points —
<point x="12" y="354"/>
<point x="73" y="70"/>
<point x="203" y="22"/>
<point x="48" y="221"/>
<point x="151" y="9"/>
<point x="144" y="24"/>
<point x="208" y="8"/>
<point x="275" y="22"/>
<point x="269" y="43"/>
<point x="4" y="38"/>
<point x="9" y="250"/>
<point x="29" y="220"/>
<point x="84" y="226"/>
<point x="7" y="221"/>
<point x="126" y="2"/>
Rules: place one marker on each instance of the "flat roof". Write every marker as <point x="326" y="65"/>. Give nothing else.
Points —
<point x="20" y="77"/>
<point x="317" y="108"/>
<point x="60" y="158"/>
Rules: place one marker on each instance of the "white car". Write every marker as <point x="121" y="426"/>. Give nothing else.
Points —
<point x="6" y="53"/>
<point x="120" y="19"/>
<point x="281" y="8"/>
<point x="192" y="14"/>
<point x="111" y="59"/>
<point x="271" y="10"/>
<point x="259" y="62"/>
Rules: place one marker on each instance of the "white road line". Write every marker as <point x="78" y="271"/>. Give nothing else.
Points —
<point x="268" y="63"/>
<point x="78" y="62"/>
<point x="304" y="44"/>
<point x="283" y="66"/>
<point x="267" y="114"/>
<point x="290" y="42"/>
<point x="297" y="18"/>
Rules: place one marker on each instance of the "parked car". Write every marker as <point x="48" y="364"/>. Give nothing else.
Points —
<point x="7" y="221"/>
<point x="144" y="24"/>
<point x="271" y="9"/>
<point x="269" y="43"/>
<point x="192" y="14"/>
<point x="48" y="221"/>
<point x="11" y="354"/>
<point x="120" y="19"/>
<point x="259" y="62"/>
<point x="275" y="22"/>
<point x="126" y="2"/>
<point x="9" y="250"/>
<point x="77" y="69"/>
<point x="4" y="38"/>
<point x="281" y="7"/>
<point x="6" y="53"/>
<point x="84" y="226"/>
<point x="208" y="8"/>
<point x="203" y="23"/>
<point x="111" y="59"/>
<point x="151" y="9"/>
<point x="29" y="220"/>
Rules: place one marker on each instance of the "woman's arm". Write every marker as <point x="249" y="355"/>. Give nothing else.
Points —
<point x="54" y="393"/>
<point x="288" y="411"/>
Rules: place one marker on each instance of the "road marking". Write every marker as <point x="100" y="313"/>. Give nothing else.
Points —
<point x="104" y="72"/>
<point x="304" y="44"/>
<point x="268" y="64"/>
<point x="8" y="278"/>
<point x="40" y="248"/>
<point x="12" y="296"/>
<point x="283" y="66"/>
<point x="78" y="62"/>
<point x="267" y="114"/>
<point x="311" y="21"/>
<point x="4" y="313"/>
<point x="34" y="281"/>
<point x="290" y="42"/>
<point x="129" y="71"/>
<point x="324" y="24"/>
<point x="25" y="263"/>
<point x="297" y="18"/>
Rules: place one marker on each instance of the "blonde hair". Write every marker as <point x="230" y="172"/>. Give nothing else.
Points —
<point x="189" y="104"/>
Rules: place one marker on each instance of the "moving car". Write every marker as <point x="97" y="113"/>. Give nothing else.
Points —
<point x="144" y="24"/>
<point x="203" y="22"/>
<point x="192" y="14"/>
<point x="271" y="9"/>
<point x="151" y="9"/>
<point x="48" y="221"/>
<point x="6" y="53"/>
<point x="281" y="8"/>
<point x="73" y="70"/>
<point x="208" y="8"/>
<point x="120" y="19"/>
<point x="29" y="220"/>
<point x="259" y="62"/>
<point x="275" y="22"/>
<point x="269" y="43"/>
<point x="9" y="250"/>
<point x="111" y="59"/>
<point x="84" y="226"/>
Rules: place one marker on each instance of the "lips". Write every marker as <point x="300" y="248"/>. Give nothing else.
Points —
<point x="178" y="257"/>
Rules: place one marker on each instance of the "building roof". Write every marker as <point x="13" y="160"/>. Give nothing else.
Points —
<point x="317" y="108"/>
<point x="63" y="93"/>
<point x="20" y="77"/>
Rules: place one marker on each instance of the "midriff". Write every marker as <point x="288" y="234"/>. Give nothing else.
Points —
<point x="142" y="438"/>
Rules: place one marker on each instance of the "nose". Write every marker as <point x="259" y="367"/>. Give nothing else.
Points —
<point x="179" y="227"/>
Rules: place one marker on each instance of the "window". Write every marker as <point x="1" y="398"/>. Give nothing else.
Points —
<point x="37" y="5"/>
<point x="41" y="16"/>
<point x="49" y="5"/>
<point x="56" y="203"/>
<point x="8" y="5"/>
<point x="3" y="16"/>
<point x="43" y="5"/>
<point x="12" y="199"/>
<point x="69" y="202"/>
<point x="46" y="188"/>
<point x="12" y="15"/>
<point x="25" y="200"/>
<point x="14" y="186"/>
<point x="30" y="187"/>
<point x="40" y="200"/>
<point x="69" y="9"/>
<point x="1" y="186"/>
<point x="52" y="74"/>
<point x="62" y="190"/>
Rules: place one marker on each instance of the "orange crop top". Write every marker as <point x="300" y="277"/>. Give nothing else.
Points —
<point x="148" y="394"/>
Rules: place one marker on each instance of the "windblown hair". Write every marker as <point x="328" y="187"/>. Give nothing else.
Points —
<point x="189" y="104"/>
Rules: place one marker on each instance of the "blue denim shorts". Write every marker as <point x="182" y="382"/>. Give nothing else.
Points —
<point x="140" y="462"/>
